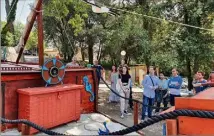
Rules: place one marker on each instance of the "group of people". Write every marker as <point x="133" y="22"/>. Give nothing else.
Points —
<point x="156" y="90"/>
<point x="162" y="90"/>
<point x="159" y="90"/>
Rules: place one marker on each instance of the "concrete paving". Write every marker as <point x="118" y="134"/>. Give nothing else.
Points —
<point x="89" y="124"/>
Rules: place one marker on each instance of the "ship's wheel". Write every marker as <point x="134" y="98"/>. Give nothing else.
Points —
<point x="53" y="71"/>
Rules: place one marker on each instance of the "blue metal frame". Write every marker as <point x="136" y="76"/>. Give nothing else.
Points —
<point x="44" y="68"/>
<point x="88" y="88"/>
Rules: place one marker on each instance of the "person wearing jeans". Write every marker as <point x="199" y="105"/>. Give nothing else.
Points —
<point x="150" y="84"/>
<point x="174" y="85"/>
<point x="162" y="92"/>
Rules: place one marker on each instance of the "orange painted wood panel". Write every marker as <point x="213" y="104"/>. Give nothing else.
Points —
<point x="194" y="104"/>
<point x="15" y="77"/>
<point x="195" y="126"/>
<point x="171" y="127"/>
<point x="25" y="80"/>
<point x="201" y="101"/>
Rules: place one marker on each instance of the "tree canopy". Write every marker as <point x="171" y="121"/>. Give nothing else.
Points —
<point x="163" y="33"/>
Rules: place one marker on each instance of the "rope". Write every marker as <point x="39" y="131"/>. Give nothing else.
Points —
<point x="31" y="124"/>
<point x="137" y="101"/>
<point x="169" y="115"/>
<point x="151" y="17"/>
<point x="148" y="122"/>
<point x="161" y="19"/>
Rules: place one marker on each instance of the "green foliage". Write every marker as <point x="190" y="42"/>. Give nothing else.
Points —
<point x="32" y="42"/>
<point x="63" y="23"/>
<point x="145" y="40"/>
<point x="8" y="30"/>
<point x="106" y="65"/>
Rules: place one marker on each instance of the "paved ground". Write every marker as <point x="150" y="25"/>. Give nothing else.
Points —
<point x="89" y="124"/>
<point x="113" y="109"/>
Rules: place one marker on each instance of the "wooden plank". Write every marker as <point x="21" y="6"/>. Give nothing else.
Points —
<point x="135" y="113"/>
<point x="25" y="129"/>
<point x="6" y="78"/>
<point x="171" y="126"/>
<point x="194" y="104"/>
<point x="27" y="29"/>
<point x="40" y="37"/>
<point x="195" y="126"/>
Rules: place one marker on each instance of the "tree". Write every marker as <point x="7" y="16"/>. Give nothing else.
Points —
<point x="32" y="42"/>
<point x="8" y="28"/>
<point x="193" y="46"/>
<point x="68" y="18"/>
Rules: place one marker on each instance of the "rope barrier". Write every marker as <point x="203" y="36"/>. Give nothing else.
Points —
<point x="169" y="115"/>
<point x="147" y="122"/>
<point x="31" y="124"/>
<point x="137" y="101"/>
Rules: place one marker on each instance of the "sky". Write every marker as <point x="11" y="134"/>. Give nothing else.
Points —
<point x="23" y="10"/>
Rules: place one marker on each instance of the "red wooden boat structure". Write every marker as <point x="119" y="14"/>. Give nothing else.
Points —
<point x="22" y="80"/>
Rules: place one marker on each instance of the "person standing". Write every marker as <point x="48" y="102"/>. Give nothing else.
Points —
<point x="124" y="82"/>
<point x="174" y="85"/>
<point x="73" y="63"/>
<point x="198" y="84"/>
<point x="161" y="92"/>
<point x="114" y="78"/>
<point x="150" y="84"/>
<point x="195" y="80"/>
<point x="99" y="71"/>
<point x="120" y="72"/>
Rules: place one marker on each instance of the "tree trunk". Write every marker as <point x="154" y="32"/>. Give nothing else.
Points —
<point x="82" y="51"/>
<point x="65" y="57"/>
<point x="99" y="52"/>
<point x="196" y="65"/>
<point x="189" y="75"/>
<point x="90" y="50"/>
<point x="10" y="11"/>
<point x="147" y="64"/>
<point x="7" y="6"/>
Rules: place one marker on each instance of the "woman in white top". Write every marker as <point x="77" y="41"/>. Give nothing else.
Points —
<point x="73" y="63"/>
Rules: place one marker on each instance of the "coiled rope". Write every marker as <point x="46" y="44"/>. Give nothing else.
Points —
<point x="137" y="101"/>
